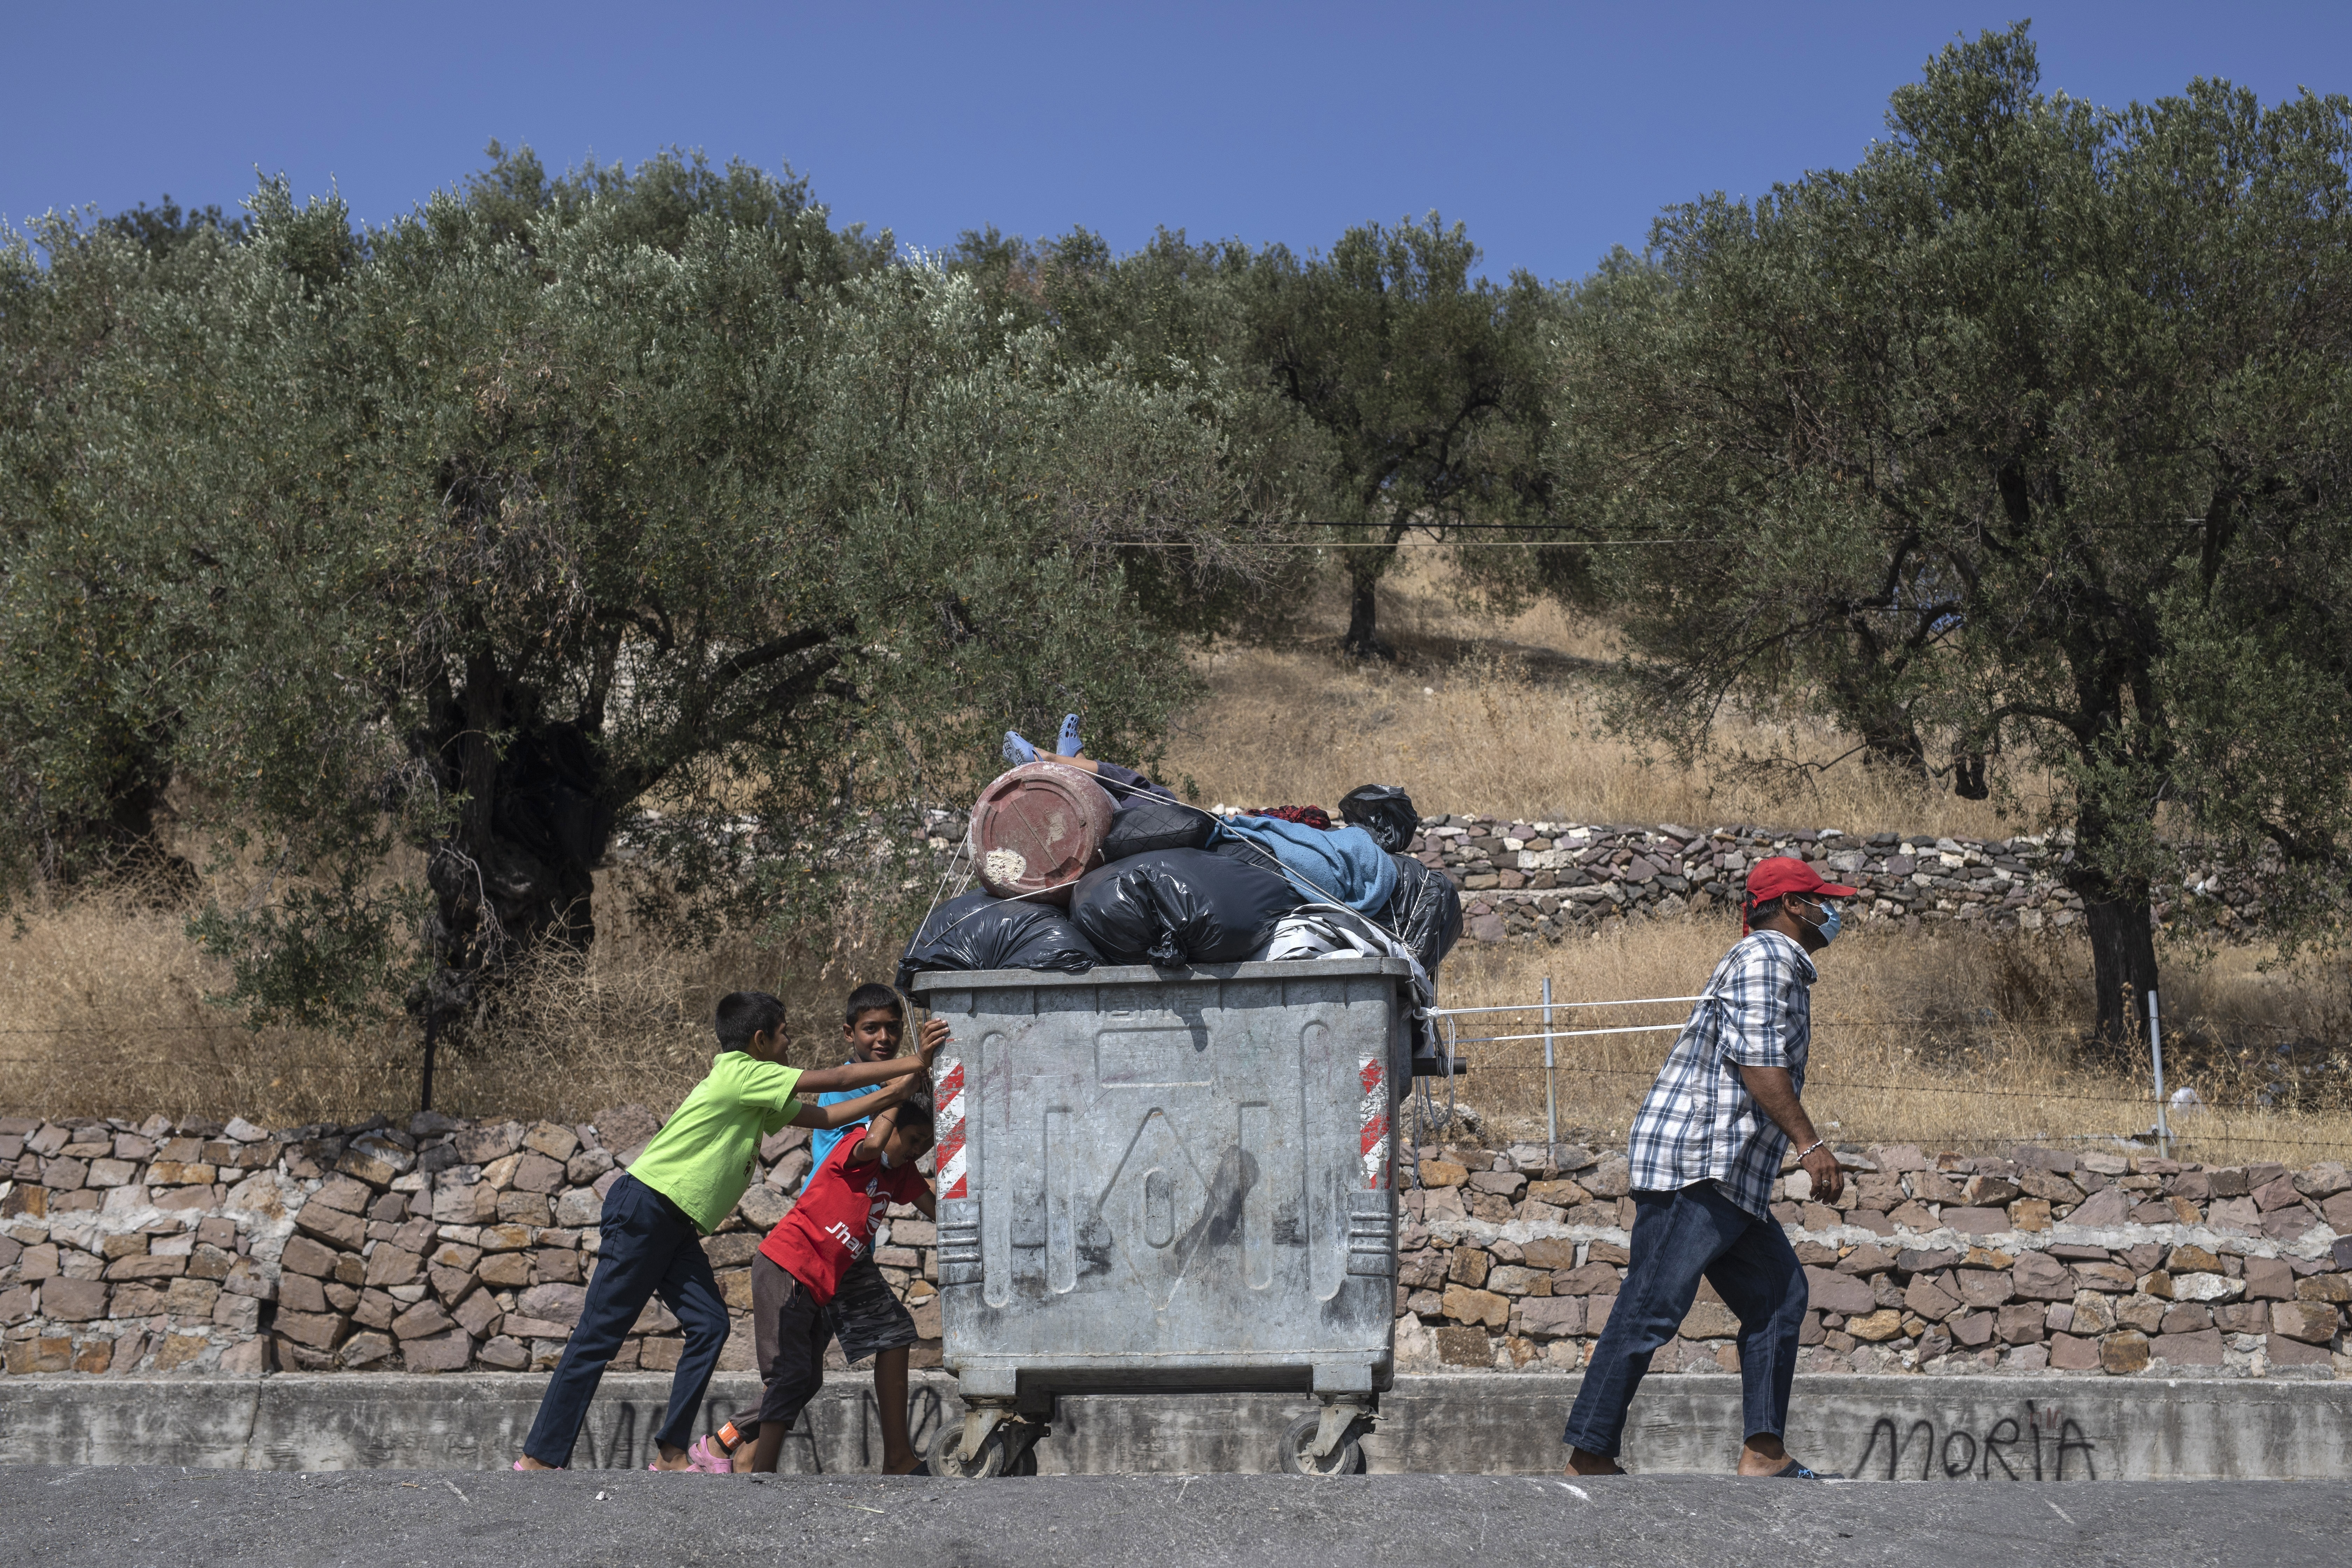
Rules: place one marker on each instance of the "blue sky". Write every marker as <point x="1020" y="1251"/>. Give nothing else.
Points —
<point x="1554" y="132"/>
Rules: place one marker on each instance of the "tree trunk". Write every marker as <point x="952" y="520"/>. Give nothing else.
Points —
<point x="2123" y="965"/>
<point x="1366" y="567"/>
<point x="1363" y="585"/>
<point x="517" y="874"/>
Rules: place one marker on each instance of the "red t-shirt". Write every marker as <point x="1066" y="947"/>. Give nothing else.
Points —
<point x="832" y="1224"/>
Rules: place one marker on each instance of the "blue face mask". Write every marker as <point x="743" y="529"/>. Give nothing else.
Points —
<point x="1827" y="927"/>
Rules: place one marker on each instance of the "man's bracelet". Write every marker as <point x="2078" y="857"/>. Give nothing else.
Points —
<point x="1816" y="1143"/>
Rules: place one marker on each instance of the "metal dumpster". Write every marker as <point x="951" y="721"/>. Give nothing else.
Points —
<point x="1168" y="1180"/>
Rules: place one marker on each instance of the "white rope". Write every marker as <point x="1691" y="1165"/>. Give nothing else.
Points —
<point x="1572" y="1034"/>
<point x="1538" y="1006"/>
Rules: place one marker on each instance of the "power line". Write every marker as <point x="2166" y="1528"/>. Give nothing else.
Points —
<point x="1414" y="544"/>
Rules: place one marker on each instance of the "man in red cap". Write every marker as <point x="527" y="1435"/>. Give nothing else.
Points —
<point x="1705" y="1150"/>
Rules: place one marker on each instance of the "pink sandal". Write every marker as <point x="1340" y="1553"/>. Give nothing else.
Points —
<point x="708" y="1458"/>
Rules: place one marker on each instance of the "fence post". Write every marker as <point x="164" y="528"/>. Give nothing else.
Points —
<point x="2156" y="1056"/>
<point x="1552" y="1098"/>
<point x="425" y="1098"/>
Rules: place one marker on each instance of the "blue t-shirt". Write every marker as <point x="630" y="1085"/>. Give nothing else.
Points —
<point x="821" y="1141"/>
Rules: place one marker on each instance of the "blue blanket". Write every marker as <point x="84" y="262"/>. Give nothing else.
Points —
<point x="1338" y="864"/>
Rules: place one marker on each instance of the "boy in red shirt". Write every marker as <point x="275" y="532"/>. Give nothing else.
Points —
<point x="798" y="1268"/>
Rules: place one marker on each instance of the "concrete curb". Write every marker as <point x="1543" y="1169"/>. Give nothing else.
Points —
<point x="1983" y="1428"/>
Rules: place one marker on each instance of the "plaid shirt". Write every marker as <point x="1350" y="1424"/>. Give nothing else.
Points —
<point x="1699" y="1122"/>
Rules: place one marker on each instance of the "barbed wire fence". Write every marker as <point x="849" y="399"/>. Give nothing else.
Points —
<point x="1938" y="1106"/>
<point x="1584" y="1076"/>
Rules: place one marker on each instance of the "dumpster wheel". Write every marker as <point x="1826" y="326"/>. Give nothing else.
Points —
<point x="1346" y="1458"/>
<point x="1009" y="1449"/>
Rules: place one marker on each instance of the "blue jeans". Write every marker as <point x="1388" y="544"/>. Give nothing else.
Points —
<point x="1678" y="1239"/>
<point x="648" y="1247"/>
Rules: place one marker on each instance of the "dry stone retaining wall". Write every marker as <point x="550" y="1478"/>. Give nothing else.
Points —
<point x="1546" y="879"/>
<point x="438" y="1246"/>
<point x="2039" y="1260"/>
<point x="446" y="1246"/>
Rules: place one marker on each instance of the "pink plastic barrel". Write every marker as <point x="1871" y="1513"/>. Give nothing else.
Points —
<point x="1039" y="828"/>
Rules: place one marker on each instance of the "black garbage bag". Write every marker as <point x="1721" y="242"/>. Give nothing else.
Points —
<point x="1426" y="911"/>
<point x="980" y="931"/>
<point x="1385" y="812"/>
<point x="1145" y="824"/>
<point x="1178" y="906"/>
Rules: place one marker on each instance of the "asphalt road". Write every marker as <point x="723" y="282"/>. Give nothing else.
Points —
<point x="172" y="1517"/>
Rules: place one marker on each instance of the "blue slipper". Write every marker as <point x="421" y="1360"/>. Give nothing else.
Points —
<point x="1018" y="751"/>
<point x="1793" y="1471"/>
<point x="1069" y="744"/>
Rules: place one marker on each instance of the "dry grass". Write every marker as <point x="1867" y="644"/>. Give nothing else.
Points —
<point x="1948" y="1041"/>
<point x="1482" y="714"/>
<point x="102" y="1014"/>
<point x="1953" y="1042"/>
<point x="1945" y="1040"/>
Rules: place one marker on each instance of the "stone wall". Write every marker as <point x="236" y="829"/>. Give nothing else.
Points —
<point x="437" y="1247"/>
<point x="442" y="1246"/>
<point x="1546" y="879"/>
<point x="2039" y="1260"/>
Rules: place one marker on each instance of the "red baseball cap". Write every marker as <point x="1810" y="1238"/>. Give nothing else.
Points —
<point x="1768" y="880"/>
<point x="1784" y="874"/>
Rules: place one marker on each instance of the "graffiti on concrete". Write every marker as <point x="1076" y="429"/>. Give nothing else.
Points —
<point x="619" y="1432"/>
<point x="2044" y="1444"/>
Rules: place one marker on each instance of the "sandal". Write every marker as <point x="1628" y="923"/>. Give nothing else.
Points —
<point x="708" y="1458"/>
<point x="1793" y="1471"/>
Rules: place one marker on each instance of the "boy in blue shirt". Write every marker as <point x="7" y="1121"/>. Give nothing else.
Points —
<point x="867" y="1316"/>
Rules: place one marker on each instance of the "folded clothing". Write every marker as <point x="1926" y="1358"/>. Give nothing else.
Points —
<point x="980" y="931"/>
<point x="1338" y="864"/>
<point x="1304" y="815"/>
<point x="1175" y="906"/>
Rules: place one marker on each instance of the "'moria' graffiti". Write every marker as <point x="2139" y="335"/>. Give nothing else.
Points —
<point x="2035" y="1448"/>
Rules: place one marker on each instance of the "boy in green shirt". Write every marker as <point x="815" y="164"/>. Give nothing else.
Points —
<point x="683" y="1186"/>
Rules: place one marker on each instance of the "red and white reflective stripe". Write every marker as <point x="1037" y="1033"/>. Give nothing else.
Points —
<point x="1374" y="1078"/>
<point x="952" y="1183"/>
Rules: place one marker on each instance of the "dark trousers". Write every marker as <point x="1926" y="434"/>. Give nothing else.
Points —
<point x="1678" y="1238"/>
<point x="648" y="1247"/>
<point x="788" y="1330"/>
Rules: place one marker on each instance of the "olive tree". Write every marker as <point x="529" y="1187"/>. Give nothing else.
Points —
<point x="2023" y="440"/>
<point x="466" y="549"/>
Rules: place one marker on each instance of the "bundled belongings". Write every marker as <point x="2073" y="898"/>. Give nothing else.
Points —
<point x="1338" y="864"/>
<point x="980" y="932"/>
<point x="1176" y="907"/>
<point x="1037" y="829"/>
<point x="1328" y="931"/>
<point x="1385" y="812"/>
<point x="1145" y="824"/>
<point x="1426" y="911"/>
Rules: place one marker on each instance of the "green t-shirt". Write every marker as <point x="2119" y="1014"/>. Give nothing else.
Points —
<point x="703" y="1157"/>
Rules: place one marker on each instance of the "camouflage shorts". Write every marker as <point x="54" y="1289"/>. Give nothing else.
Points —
<point x="866" y="1314"/>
